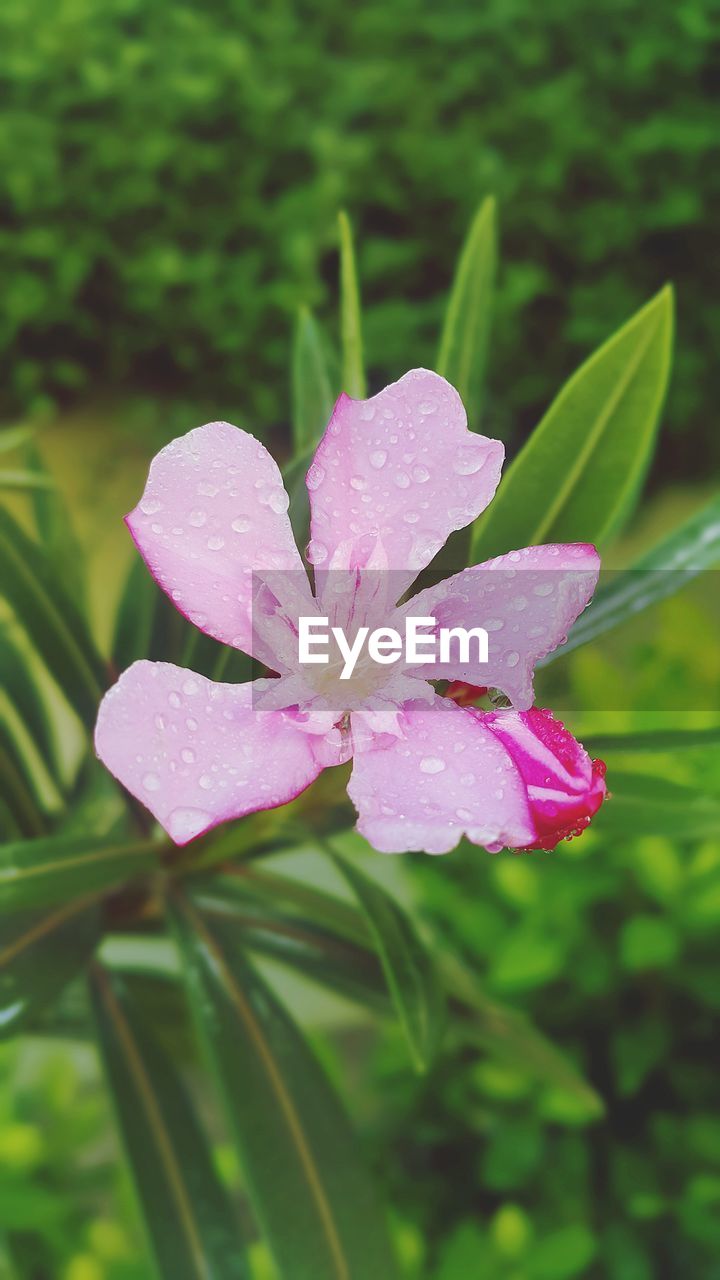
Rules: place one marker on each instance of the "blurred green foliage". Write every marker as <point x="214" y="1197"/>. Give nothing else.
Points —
<point x="172" y="173"/>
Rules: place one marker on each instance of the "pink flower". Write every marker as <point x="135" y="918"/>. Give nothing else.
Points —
<point x="392" y="477"/>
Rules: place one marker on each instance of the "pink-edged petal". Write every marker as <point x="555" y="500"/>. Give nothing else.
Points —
<point x="448" y="776"/>
<point x="196" y="753"/>
<point x="403" y="468"/>
<point x="214" y="509"/>
<point x="565" y="786"/>
<point x="526" y="601"/>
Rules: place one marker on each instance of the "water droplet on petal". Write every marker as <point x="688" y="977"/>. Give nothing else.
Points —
<point x="207" y="490"/>
<point x="421" y="474"/>
<point x="543" y="589"/>
<point x="149" y="506"/>
<point x="216" y="543"/>
<point x="317" y="552"/>
<point x="358" y="482"/>
<point x="151" y="782"/>
<point x="174" y="699"/>
<point x="512" y="659"/>
<point x="494" y="624"/>
<point x="205" y="781"/>
<point x="197" y="519"/>
<point x="241" y="524"/>
<point x="191" y="686"/>
<point x="402" y="479"/>
<point x="188" y="756"/>
<point x="378" y="458"/>
<point x="431" y="764"/>
<point x="468" y="460"/>
<point x="184" y="824"/>
<point x="278" y="500"/>
<point x="315" y="476"/>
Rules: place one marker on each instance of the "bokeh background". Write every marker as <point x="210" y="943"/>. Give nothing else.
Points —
<point x="171" y="175"/>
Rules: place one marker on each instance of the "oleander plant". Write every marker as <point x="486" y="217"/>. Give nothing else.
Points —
<point x="435" y="1129"/>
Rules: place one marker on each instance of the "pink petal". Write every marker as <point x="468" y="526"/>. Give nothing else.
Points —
<point x="401" y="467"/>
<point x="565" y="787"/>
<point x="196" y="753"/>
<point x="214" y="509"/>
<point x="526" y="600"/>
<point x="447" y="777"/>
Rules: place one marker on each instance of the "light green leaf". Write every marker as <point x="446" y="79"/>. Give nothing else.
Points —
<point x="409" y="969"/>
<point x="312" y="394"/>
<point x="18" y="479"/>
<point x="660" y="573"/>
<point x="463" y="344"/>
<point x="640" y="805"/>
<point x="56" y="868"/>
<point x="311" y="1194"/>
<point x="187" y="1214"/>
<point x="13" y="437"/>
<point x="39" y="953"/>
<point x="53" y="623"/>
<point x="353" y="368"/>
<point x="579" y="474"/>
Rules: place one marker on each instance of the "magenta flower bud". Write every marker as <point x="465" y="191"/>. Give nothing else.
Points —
<point x="565" y="787"/>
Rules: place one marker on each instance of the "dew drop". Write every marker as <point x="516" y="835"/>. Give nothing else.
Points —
<point x="241" y="525"/>
<point x="207" y="490"/>
<point x="402" y="479"/>
<point x="184" y="824"/>
<point x="215" y="543"/>
<point x="317" y="552"/>
<point x="494" y="624"/>
<point x="159" y="722"/>
<point x="468" y="460"/>
<point x="464" y="815"/>
<point x="512" y="658"/>
<point x="188" y="756"/>
<point x="543" y="589"/>
<point x="367" y="413"/>
<point x="191" y="686"/>
<point x="378" y="458"/>
<point x="149" y="506"/>
<point x="174" y="699"/>
<point x="358" y="482"/>
<point x="197" y="519"/>
<point x="431" y="764"/>
<point x="315" y="476"/>
<point x="411" y="517"/>
<point x="151" y="782"/>
<point x="421" y="474"/>
<point x="205" y="781"/>
<point x="278" y="500"/>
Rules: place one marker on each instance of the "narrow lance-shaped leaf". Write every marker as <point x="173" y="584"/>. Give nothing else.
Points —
<point x="17" y="791"/>
<point x="56" y="530"/>
<point x="407" y="964"/>
<point x="669" y="740"/>
<point x="12" y="437"/>
<point x="651" y="805"/>
<point x="53" y="623"/>
<point x="463" y="343"/>
<point x="39" y="953"/>
<point x="329" y="941"/>
<point x="353" y="367"/>
<point x="187" y="1214"/>
<point x="661" y="572"/>
<point x="312" y="394"/>
<point x="312" y="1197"/>
<point x="20" y="688"/>
<point x="15" y="478"/>
<point x="57" y="868"/>
<point x="579" y="474"/>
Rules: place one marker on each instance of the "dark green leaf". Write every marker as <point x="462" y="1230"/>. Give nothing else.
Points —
<point x="652" y="740"/>
<point x="53" y="623"/>
<point x="16" y="788"/>
<point x="312" y="1197"/>
<point x="407" y="964"/>
<point x="19" y="686"/>
<point x="580" y="472"/>
<point x="187" y="1214"/>
<point x="463" y="344"/>
<point x="658" y="574"/>
<point x="56" y="531"/>
<point x="39" y="953"/>
<point x="135" y="615"/>
<point x="312" y="394"/>
<point x="353" y="368"/>
<point x="640" y="805"/>
<point x="54" y="869"/>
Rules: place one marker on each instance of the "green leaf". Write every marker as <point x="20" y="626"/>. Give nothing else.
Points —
<point x="464" y="339"/>
<point x="640" y="805"/>
<point x="312" y="394"/>
<point x="652" y="740"/>
<point x="56" y="868"/>
<point x="409" y="969"/>
<point x="579" y="474"/>
<point x="52" y="621"/>
<point x="311" y="1194"/>
<point x="16" y="788"/>
<point x="56" y="531"/>
<point x="39" y="954"/>
<point x="23" y="480"/>
<point x="12" y="437"/>
<point x="187" y="1213"/>
<point x="19" y="686"/>
<point x="353" y="369"/>
<point x="660" y="573"/>
<point x="135" y="616"/>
